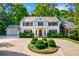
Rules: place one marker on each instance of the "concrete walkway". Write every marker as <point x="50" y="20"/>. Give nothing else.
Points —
<point x="18" y="47"/>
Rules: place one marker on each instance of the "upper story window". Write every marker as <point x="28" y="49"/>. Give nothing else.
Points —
<point x="52" y="23"/>
<point x="27" y="23"/>
<point x="40" y="23"/>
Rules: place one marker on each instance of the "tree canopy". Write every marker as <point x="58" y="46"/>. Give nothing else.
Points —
<point x="44" y="9"/>
<point x="11" y="14"/>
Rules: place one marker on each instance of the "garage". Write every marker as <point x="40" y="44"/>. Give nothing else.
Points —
<point x="12" y="30"/>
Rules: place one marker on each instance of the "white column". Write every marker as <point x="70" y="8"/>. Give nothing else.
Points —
<point x="37" y="32"/>
<point x="43" y="33"/>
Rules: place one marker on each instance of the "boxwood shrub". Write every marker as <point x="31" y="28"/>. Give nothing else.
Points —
<point x="22" y="35"/>
<point x="40" y="44"/>
<point x="51" y="43"/>
<point x="31" y="35"/>
<point x="46" y="44"/>
<point x="34" y="40"/>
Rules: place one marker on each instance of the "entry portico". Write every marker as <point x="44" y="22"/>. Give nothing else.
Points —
<point x="40" y="31"/>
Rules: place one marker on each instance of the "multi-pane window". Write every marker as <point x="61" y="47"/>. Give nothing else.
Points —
<point x="27" y="23"/>
<point x="40" y="23"/>
<point x="52" y="23"/>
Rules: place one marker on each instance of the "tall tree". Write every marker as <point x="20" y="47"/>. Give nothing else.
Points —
<point x="16" y="12"/>
<point x="44" y="9"/>
<point x="63" y="14"/>
<point x="76" y="17"/>
<point x="3" y="20"/>
<point x="71" y="11"/>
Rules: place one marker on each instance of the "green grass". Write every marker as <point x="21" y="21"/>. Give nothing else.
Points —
<point x="75" y="41"/>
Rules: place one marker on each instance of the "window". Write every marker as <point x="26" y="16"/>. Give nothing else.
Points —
<point x="40" y="23"/>
<point x="52" y="23"/>
<point x="27" y="23"/>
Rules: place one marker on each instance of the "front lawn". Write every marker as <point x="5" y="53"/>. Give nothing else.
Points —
<point x="75" y="41"/>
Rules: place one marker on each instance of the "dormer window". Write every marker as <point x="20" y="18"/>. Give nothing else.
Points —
<point x="40" y="23"/>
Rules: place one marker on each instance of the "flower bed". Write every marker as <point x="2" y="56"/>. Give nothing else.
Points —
<point x="44" y="46"/>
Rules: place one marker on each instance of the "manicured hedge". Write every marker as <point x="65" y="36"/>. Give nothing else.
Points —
<point x="54" y="35"/>
<point x="26" y="35"/>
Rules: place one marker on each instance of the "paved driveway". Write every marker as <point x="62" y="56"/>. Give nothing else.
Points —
<point x="68" y="48"/>
<point x="18" y="47"/>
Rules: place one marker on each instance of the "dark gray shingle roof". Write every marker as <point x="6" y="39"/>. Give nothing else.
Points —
<point x="69" y="24"/>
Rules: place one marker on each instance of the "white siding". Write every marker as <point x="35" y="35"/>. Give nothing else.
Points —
<point x="35" y="24"/>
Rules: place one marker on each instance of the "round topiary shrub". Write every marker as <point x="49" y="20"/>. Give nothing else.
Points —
<point x="51" y="43"/>
<point x="34" y="40"/>
<point x="46" y="44"/>
<point x="40" y="44"/>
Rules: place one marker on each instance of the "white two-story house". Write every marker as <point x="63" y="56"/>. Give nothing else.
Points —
<point x="40" y="26"/>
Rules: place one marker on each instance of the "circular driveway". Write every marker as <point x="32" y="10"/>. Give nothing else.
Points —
<point x="18" y="47"/>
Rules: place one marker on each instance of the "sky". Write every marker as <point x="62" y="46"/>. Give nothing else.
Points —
<point x="31" y="6"/>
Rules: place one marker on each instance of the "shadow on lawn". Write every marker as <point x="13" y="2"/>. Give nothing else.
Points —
<point x="11" y="53"/>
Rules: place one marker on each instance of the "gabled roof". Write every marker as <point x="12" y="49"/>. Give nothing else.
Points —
<point x="12" y="27"/>
<point x="68" y="24"/>
<point x="48" y="19"/>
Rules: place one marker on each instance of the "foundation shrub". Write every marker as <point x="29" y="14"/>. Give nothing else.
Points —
<point x="31" y="35"/>
<point x="22" y="35"/>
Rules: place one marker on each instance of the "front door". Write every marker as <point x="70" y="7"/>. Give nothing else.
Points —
<point x="40" y="32"/>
